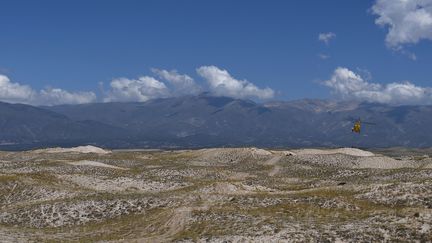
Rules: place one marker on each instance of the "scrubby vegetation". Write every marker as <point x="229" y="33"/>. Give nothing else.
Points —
<point x="216" y="195"/>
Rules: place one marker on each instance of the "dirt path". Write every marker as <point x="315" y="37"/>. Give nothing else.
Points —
<point x="273" y="161"/>
<point x="175" y="224"/>
<point x="94" y="163"/>
<point x="276" y="169"/>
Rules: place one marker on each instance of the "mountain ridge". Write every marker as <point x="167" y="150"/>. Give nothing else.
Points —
<point x="207" y="121"/>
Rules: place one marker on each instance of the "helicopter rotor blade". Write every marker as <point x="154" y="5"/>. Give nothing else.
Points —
<point x="368" y="123"/>
<point x="351" y="119"/>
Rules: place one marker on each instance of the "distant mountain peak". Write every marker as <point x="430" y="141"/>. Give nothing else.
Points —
<point x="206" y="120"/>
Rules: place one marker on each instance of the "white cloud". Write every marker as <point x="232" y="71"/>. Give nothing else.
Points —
<point x="222" y="83"/>
<point x="16" y="93"/>
<point x="326" y="37"/>
<point x="349" y="85"/>
<point x="323" y="56"/>
<point x="141" y="89"/>
<point x="182" y="84"/>
<point x="409" y="21"/>
<point x="144" y="88"/>
<point x="59" y="96"/>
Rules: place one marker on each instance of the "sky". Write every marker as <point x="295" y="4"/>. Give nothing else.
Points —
<point x="73" y="52"/>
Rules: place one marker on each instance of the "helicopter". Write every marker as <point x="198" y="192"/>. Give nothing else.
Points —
<point x="357" y="125"/>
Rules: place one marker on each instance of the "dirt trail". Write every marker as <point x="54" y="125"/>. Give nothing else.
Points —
<point x="175" y="224"/>
<point x="276" y="169"/>
<point x="179" y="220"/>
<point x="273" y="161"/>
<point x="95" y="163"/>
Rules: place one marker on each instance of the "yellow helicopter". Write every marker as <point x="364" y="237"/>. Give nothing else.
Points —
<point x="357" y="125"/>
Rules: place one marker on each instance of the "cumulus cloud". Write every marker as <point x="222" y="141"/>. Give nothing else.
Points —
<point x="144" y="88"/>
<point x="326" y="37"/>
<point x="56" y="96"/>
<point x="17" y="93"/>
<point x="408" y="21"/>
<point x="14" y="92"/>
<point x="182" y="84"/>
<point x="222" y="83"/>
<point x="141" y="89"/>
<point x="349" y="85"/>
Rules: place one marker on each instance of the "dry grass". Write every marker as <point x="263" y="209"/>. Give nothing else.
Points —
<point x="242" y="198"/>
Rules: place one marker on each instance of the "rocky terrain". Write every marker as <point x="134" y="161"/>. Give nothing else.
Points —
<point x="89" y="194"/>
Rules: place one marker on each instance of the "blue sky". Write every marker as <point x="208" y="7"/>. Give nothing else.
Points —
<point x="61" y="51"/>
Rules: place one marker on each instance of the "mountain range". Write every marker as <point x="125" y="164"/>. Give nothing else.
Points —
<point x="209" y="121"/>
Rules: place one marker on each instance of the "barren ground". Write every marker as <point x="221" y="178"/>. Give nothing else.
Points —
<point x="216" y="195"/>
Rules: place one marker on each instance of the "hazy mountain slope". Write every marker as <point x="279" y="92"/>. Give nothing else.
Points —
<point x="24" y="125"/>
<point x="198" y="120"/>
<point x="207" y="121"/>
<point x="204" y="121"/>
